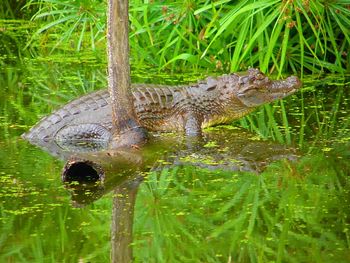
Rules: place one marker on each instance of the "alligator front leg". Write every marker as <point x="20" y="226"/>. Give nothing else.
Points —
<point x="193" y="124"/>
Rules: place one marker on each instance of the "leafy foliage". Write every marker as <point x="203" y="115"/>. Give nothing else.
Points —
<point x="275" y="35"/>
<point x="12" y="9"/>
<point x="72" y="22"/>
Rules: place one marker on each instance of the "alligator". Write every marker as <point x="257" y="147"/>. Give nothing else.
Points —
<point x="210" y="102"/>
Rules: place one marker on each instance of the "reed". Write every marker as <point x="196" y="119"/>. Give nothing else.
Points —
<point x="275" y="35"/>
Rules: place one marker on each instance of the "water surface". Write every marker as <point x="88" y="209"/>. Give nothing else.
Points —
<point x="193" y="206"/>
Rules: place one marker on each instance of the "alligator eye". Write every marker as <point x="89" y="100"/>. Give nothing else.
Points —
<point x="260" y="76"/>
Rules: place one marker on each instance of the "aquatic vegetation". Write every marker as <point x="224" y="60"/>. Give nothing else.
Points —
<point x="287" y="214"/>
<point x="276" y="35"/>
<point x="77" y="22"/>
<point x="37" y="220"/>
<point x="292" y="212"/>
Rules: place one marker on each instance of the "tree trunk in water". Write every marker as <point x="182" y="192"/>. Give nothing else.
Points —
<point x="127" y="131"/>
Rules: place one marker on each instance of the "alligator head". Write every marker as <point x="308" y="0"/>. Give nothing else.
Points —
<point x="254" y="89"/>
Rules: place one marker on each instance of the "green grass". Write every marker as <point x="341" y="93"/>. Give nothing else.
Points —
<point x="274" y="35"/>
<point x="74" y="23"/>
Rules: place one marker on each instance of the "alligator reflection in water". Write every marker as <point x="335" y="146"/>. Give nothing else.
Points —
<point x="229" y="149"/>
<point x="122" y="171"/>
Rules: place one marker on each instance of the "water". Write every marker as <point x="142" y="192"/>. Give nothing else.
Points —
<point x="233" y="197"/>
<point x="295" y="211"/>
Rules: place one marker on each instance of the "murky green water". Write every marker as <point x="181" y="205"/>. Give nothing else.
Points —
<point x="277" y="206"/>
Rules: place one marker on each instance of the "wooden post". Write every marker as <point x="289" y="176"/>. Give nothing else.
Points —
<point x="126" y="128"/>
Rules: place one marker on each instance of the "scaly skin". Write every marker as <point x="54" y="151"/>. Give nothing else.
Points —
<point x="161" y="108"/>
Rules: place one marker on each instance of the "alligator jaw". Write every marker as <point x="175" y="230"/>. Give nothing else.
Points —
<point x="284" y="88"/>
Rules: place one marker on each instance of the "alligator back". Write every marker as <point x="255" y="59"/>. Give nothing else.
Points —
<point x="92" y="113"/>
<point x="75" y="112"/>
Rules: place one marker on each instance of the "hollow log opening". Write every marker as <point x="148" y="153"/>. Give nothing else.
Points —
<point x="82" y="171"/>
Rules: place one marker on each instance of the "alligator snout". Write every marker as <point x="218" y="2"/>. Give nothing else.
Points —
<point x="293" y="82"/>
